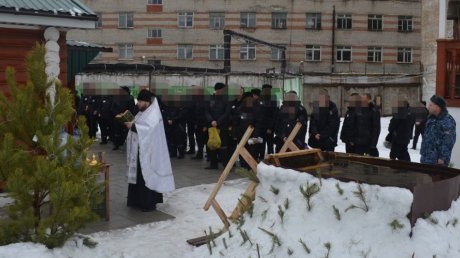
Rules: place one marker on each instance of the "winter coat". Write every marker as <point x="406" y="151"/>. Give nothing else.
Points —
<point x="438" y="139"/>
<point x="218" y="110"/>
<point x="326" y="122"/>
<point x="367" y="126"/>
<point x="347" y="135"/>
<point x="286" y="121"/>
<point x="401" y="128"/>
<point x="247" y="114"/>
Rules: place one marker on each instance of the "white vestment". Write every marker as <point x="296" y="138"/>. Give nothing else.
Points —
<point x="150" y="143"/>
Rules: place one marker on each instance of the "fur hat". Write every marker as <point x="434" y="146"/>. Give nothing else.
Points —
<point x="145" y="95"/>
<point x="219" y="85"/>
<point x="439" y="101"/>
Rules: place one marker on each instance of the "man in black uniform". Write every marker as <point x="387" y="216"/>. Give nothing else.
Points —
<point x="269" y="110"/>
<point x="400" y="130"/>
<point x="324" y="123"/>
<point x="174" y="118"/>
<point x="421" y="115"/>
<point x="217" y="115"/>
<point x="105" y="117"/>
<point x="367" y="127"/>
<point x="88" y="109"/>
<point x="347" y="134"/>
<point x="291" y="112"/>
<point x="122" y="102"/>
<point x="200" y="104"/>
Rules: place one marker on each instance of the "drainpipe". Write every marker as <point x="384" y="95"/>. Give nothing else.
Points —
<point x="442" y="19"/>
<point x="333" y="40"/>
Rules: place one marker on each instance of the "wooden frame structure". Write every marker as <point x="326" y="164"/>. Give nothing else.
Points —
<point x="250" y="191"/>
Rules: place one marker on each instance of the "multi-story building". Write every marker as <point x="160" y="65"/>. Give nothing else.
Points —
<point x="329" y="36"/>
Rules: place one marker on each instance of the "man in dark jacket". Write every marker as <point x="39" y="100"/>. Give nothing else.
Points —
<point x="200" y="103"/>
<point x="421" y="115"/>
<point x="440" y="134"/>
<point x="400" y="130"/>
<point x="105" y="117"/>
<point x="324" y="123"/>
<point x="367" y="127"/>
<point x="122" y="102"/>
<point x="269" y="110"/>
<point x="347" y="134"/>
<point x="174" y="117"/>
<point x="291" y="112"/>
<point x="217" y="115"/>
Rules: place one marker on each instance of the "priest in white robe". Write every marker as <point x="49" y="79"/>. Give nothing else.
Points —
<point x="149" y="167"/>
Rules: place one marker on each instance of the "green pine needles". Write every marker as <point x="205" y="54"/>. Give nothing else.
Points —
<point x="308" y="192"/>
<point x="53" y="187"/>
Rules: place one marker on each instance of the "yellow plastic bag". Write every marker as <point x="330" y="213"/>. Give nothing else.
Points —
<point x="214" y="142"/>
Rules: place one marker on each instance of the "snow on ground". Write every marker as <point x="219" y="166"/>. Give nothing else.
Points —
<point x="357" y="234"/>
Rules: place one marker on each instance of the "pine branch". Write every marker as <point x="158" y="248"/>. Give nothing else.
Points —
<point x="309" y="192"/>
<point x="264" y="214"/>
<point x="275" y="240"/>
<point x="339" y="190"/>
<point x="281" y="213"/>
<point x="360" y="194"/>
<point x="336" y="212"/>
<point x="286" y="204"/>
<point x="262" y="199"/>
<point x="248" y="173"/>
<point x="304" y="245"/>
<point x="225" y="243"/>
<point x="396" y="225"/>
<point x="290" y="251"/>
<point x="328" y="247"/>
<point x="274" y="190"/>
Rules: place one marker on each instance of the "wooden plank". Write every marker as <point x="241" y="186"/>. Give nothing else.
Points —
<point x="291" y="137"/>
<point x="248" y="158"/>
<point x="240" y="207"/>
<point x="220" y="212"/>
<point x="229" y="166"/>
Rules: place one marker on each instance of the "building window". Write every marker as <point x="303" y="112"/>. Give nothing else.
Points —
<point x="277" y="53"/>
<point x="125" y="20"/>
<point x="248" y="51"/>
<point x="184" y="52"/>
<point x="405" y="23"/>
<point x="125" y="51"/>
<point x="216" y="20"/>
<point x="404" y="55"/>
<point x="313" y="21"/>
<point x="279" y="20"/>
<point x="247" y="20"/>
<point x="155" y="2"/>
<point x="374" y="54"/>
<point x="343" y="54"/>
<point x="154" y="33"/>
<point x="375" y="22"/>
<point x="313" y="53"/>
<point x="185" y="20"/>
<point x="344" y="22"/>
<point x="216" y="52"/>
<point x="99" y="20"/>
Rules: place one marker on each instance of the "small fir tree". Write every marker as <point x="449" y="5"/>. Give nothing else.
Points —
<point x="53" y="187"/>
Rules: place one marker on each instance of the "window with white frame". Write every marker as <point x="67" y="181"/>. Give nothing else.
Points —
<point x="374" y="54"/>
<point x="154" y="33"/>
<point x="125" y="51"/>
<point x="125" y="20"/>
<point x="375" y="22"/>
<point x="99" y="20"/>
<point x="247" y="20"/>
<point x="216" y="20"/>
<point x="184" y="51"/>
<point x="216" y="52"/>
<point x="343" y="54"/>
<point x="313" y="21"/>
<point x="404" y="55"/>
<point x="277" y="53"/>
<point x="279" y="20"/>
<point x="344" y="21"/>
<point x="405" y="23"/>
<point x="185" y="19"/>
<point x="248" y="51"/>
<point x="155" y="2"/>
<point x="313" y="53"/>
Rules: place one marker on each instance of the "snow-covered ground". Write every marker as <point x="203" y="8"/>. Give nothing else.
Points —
<point x="357" y="234"/>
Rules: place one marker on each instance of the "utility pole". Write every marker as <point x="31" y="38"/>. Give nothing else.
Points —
<point x="333" y="40"/>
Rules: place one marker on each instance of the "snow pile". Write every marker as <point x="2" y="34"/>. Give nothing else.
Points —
<point x="344" y="220"/>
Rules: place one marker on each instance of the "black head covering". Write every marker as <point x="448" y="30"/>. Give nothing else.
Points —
<point x="219" y="85"/>
<point x="256" y="92"/>
<point x="438" y="100"/>
<point x="145" y="95"/>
